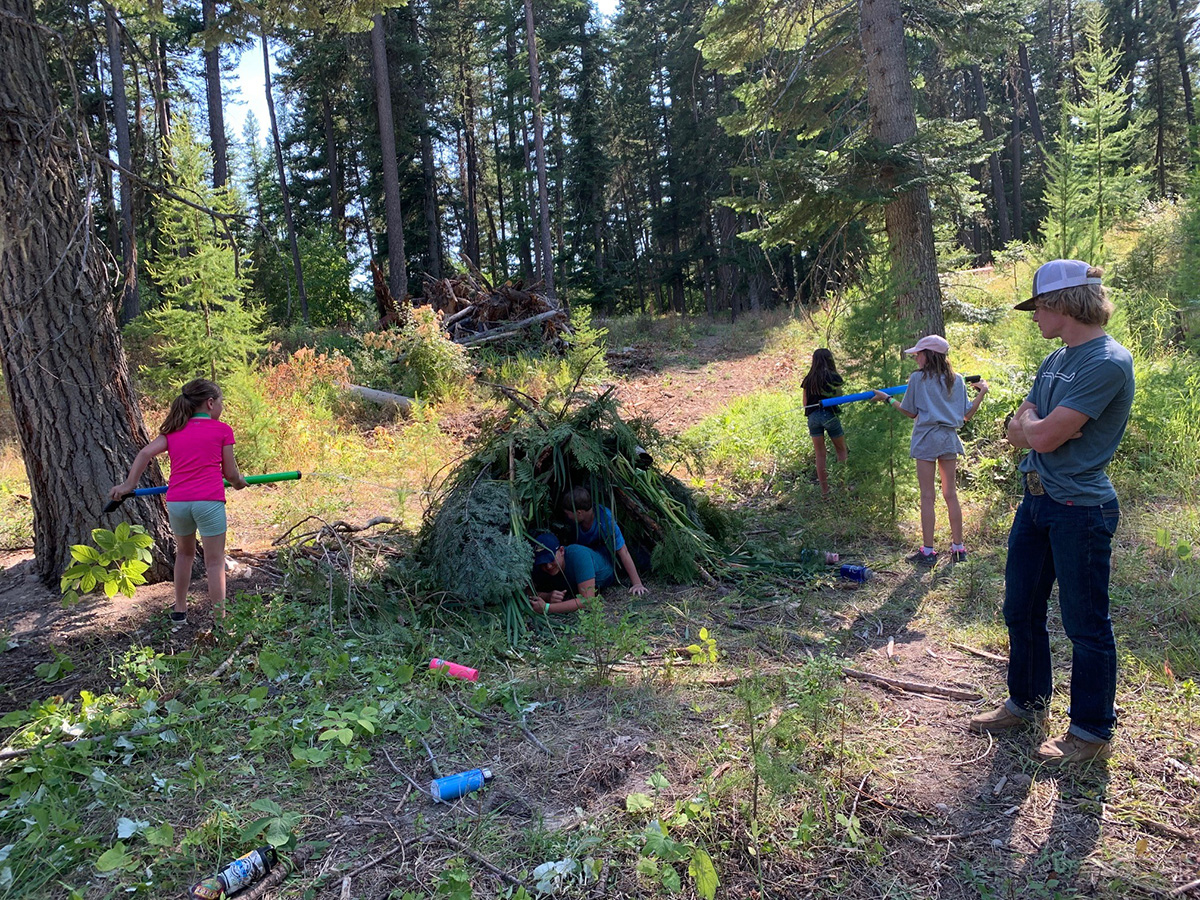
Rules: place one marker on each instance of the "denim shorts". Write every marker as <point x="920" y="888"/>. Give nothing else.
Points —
<point x="824" y="421"/>
<point x="189" y="516"/>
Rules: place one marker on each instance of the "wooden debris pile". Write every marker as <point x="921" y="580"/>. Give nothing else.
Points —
<point x="475" y="312"/>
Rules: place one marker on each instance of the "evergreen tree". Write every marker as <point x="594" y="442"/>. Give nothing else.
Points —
<point x="203" y="328"/>
<point x="1104" y="134"/>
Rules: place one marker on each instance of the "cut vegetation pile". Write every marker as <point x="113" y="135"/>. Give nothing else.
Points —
<point x="476" y="533"/>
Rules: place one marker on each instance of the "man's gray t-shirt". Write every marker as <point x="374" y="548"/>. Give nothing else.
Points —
<point x="1096" y="379"/>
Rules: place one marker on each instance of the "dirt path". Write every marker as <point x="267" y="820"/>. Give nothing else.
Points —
<point x="676" y="390"/>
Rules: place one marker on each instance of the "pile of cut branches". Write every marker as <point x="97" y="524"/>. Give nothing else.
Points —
<point x="475" y="535"/>
<point x="475" y="312"/>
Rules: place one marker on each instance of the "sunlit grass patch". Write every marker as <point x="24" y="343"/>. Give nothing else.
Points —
<point x="16" y="514"/>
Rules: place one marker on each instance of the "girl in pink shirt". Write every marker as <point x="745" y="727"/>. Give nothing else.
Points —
<point x="200" y="447"/>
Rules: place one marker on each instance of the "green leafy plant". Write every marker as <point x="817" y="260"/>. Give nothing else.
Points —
<point x="57" y="668"/>
<point x="117" y="564"/>
<point x="706" y="650"/>
<point x="454" y="883"/>
<point x="277" y="827"/>
<point x="660" y="854"/>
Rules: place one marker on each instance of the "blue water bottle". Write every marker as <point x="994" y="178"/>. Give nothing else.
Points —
<point x="856" y="573"/>
<point x="454" y="786"/>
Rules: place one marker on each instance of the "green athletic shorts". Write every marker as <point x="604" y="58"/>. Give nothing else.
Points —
<point x="189" y="516"/>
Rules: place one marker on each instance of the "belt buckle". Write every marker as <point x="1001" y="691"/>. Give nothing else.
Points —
<point x="1033" y="484"/>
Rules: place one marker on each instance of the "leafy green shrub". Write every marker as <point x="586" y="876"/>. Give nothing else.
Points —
<point x="417" y="361"/>
<point x="328" y="265"/>
<point x="119" y="565"/>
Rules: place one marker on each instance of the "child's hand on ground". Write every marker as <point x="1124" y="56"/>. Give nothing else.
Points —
<point x="557" y="596"/>
<point x="638" y="589"/>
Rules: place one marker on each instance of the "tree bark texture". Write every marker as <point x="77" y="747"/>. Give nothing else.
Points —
<point x="1185" y="72"/>
<point x="288" y="218"/>
<point x="397" y="265"/>
<point x="1031" y="106"/>
<point x="433" y="225"/>
<point x="539" y="146"/>
<point x="216" y="109"/>
<point x="908" y="218"/>
<point x="130" y="304"/>
<point x="77" y="420"/>
<point x="1003" y="229"/>
<point x="337" y="193"/>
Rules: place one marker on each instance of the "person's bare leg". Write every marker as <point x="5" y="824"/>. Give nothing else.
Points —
<point x="214" y="566"/>
<point x="925" y="479"/>
<point x="839" y="448"/>
<point x="822" y="475"/>
<point x="185" y="558"/>
<point x="949" y="469"/>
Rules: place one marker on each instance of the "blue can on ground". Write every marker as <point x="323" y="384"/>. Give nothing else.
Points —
<point x="451" y="787"/>
<point x="856" y="573"/>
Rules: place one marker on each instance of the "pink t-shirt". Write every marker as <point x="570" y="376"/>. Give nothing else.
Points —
<point x="195" y="452"/>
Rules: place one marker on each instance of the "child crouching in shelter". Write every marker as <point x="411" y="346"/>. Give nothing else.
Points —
<point x="553" y="591"/>
<point x="600" y="545"/>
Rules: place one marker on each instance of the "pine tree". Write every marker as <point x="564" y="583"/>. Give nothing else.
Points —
<point x="203" y="329"/>
<point x="1105" y="135"/>
<point x="1069" y="228"/>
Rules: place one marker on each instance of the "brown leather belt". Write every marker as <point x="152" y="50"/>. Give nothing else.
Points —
<point x="1033" y="484"/>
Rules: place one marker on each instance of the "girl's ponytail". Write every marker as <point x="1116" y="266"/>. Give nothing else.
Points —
<point x="937" y="365"/>
<point x="191" y="397"/>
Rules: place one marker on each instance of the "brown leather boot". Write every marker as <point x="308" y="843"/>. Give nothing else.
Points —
<point x="1002" y="719"/>
<point x="1073" y="749"/>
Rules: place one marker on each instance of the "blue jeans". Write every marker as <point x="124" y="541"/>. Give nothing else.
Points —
<point x="1052" y="541"/>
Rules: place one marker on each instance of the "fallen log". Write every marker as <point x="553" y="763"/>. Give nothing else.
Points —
<point x="915" y="687"/>
<point x="509" y="330"/>
<point x="383" y="398"/>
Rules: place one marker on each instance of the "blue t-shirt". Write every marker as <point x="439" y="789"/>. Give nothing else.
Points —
<point x="604" y="536"/>
<point x="1096" y="379"/>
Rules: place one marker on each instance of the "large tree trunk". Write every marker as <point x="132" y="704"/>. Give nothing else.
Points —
<point x="466" y="74"/>
<point x="1015" y="155"/>
<point x="539" y="146"/>
<point x="908" y="218"/>
<point x="1185" y="72"/>
<point x="397" y="265"/>
<point x="1031" y="106"/>
<point x="1003" y="229"/>
<point x="288" y="218"/>
<point x="130" y="306"/>
<point x="433" y="226"/>
<point x="216" y="110"/>
<point x="519" y="191"/>
<point x="77" y="420"/>
<point x="337" y="194"/>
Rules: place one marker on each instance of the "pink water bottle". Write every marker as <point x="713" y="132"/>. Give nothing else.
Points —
<point x="451" y="668"/>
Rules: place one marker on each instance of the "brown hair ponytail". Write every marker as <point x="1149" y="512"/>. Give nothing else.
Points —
<point x="191" y="397"/>
<point x="937" y="365"/>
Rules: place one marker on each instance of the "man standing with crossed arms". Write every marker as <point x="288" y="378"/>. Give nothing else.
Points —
<point x="1072" y="421"/>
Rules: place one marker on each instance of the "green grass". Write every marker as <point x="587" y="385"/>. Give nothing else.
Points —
<point x="767" y="763"/>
